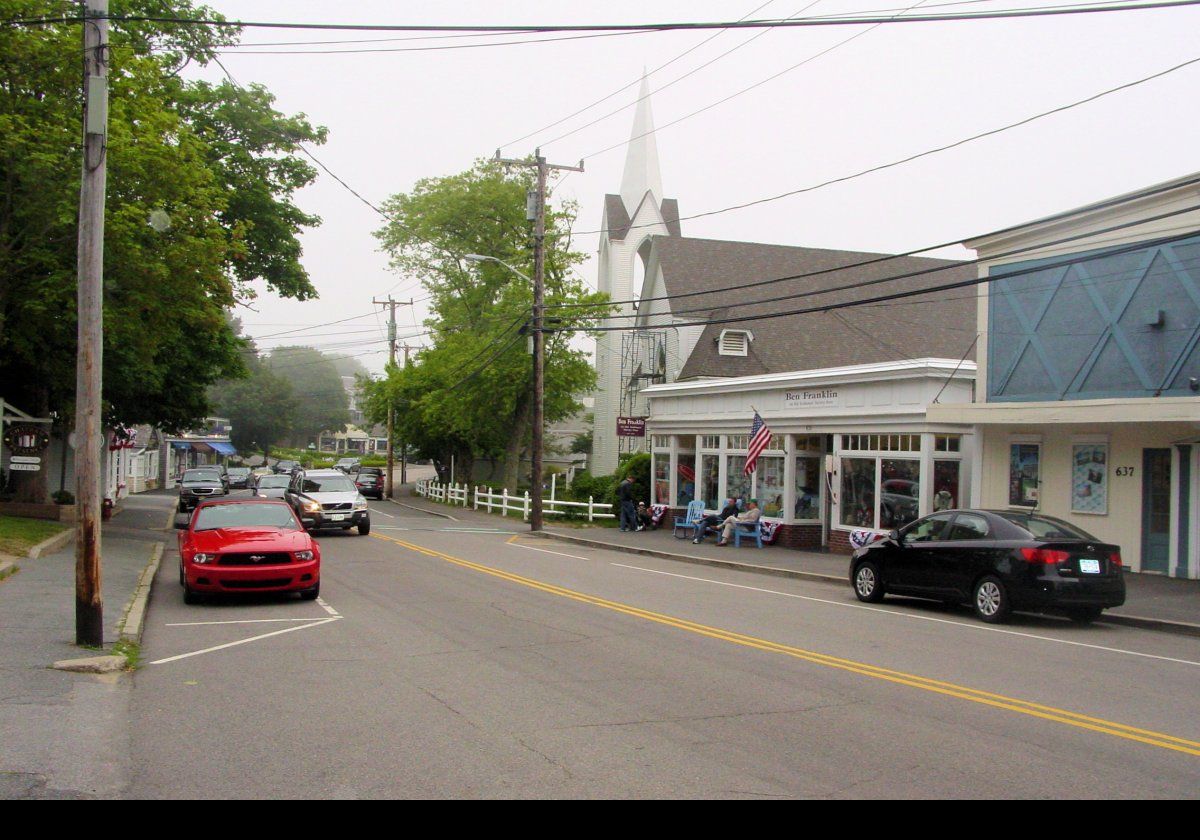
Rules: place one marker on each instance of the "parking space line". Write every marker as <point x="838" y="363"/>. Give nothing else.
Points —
<point x="315" y="623"/>
<point x="964" y="625"/>
<point x="328" y="608"/>
<point x="240" y="621"/>
<point x="381" y="513"/>
<point x="514" y="542"/>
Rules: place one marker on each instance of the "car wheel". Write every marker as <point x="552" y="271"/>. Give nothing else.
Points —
<point x="364" y="528"/>
<point x="311" y="593"/>
<point x="190" y="596"/>
<point x="182" y="507"/>
<point x="1084" y="615"/>
<point x="868" y="582"/>
<point x="991" y="600"/>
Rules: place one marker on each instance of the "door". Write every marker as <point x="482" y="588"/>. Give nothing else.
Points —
<point x="1156" y="510"/>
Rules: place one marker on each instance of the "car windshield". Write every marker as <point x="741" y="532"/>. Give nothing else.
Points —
<point x="329" y="484"/>
<point x="201" y="475"/>
<point x="275" y="481"/>
<point x="246" y="515"/>
<point x="1047" y="527"/>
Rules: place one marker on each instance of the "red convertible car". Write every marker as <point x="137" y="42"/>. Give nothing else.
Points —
<point x="247" y="545"/>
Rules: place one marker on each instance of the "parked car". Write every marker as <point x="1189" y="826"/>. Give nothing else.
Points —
<point x="369" y="481"/>
<point x="200" y="484"/>
<point x="286" y="467"/>
<point x="247" y="545"/>
<point x="271" y="487"/>
<point x="239" y="477"/>
<point x="348" y="465"/>
<point x="328" y="499"/>
<point x="998" y="561"/>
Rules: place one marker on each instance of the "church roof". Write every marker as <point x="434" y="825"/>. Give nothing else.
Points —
<point x="931" y="325"/>
<point x="616" y="217"/>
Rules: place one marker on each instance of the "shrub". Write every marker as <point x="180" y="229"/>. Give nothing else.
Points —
<point x="63" y="497"/>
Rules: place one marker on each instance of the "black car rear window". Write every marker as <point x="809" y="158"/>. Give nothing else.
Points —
<point x="1047" y="527"/>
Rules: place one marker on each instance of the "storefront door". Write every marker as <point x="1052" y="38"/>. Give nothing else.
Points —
<point x="1156" y="510"/>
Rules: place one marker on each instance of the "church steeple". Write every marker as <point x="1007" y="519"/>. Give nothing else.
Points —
<point x="641" y="158"/>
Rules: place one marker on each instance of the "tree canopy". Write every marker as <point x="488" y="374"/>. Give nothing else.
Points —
<point x="216" y="164"/>
<point x="469" y="393"/>
<point x="321" y="403"/>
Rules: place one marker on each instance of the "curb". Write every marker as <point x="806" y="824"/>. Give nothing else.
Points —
<point x="1162" y="625"/>
<point x="133" y="623"/>
<point x="698" y="561"/>
<point x="52" y="544"/>
<point x="7" y="568"/>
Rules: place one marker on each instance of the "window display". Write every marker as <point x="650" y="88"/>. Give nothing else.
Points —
<point x="858" y="492"/>
<point x="685" y="478"/>
<point x="1089" y="478"/>
<point x="808" y="487"/>
<point x="710" y="481"/>
<point x="770" y="485"/>
<point x="901" y="491"/>
<point x="737" y="485"/>
<point x="945" y="484"/>
<point x="1024" y="474"/>
<point x="662" y="479"/>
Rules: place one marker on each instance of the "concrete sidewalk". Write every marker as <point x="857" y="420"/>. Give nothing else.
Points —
<point x="64" y="733"/>
<point x="1152" y="601"/>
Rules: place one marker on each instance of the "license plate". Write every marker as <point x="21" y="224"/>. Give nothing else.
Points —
<point x="1089" y="566"/>
<point x="338" y="517"/>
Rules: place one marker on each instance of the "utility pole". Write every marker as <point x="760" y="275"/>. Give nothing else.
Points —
<point x="539" y="344"/>
<point x="391" y="421"/>
<point x="403" y="443"/>
<point x="89" y="605"/>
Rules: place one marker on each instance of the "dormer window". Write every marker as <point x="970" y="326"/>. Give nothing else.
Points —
<point x="734" y="342"/>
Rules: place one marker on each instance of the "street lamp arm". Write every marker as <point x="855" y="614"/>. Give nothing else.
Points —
<point x="485" y="258"/>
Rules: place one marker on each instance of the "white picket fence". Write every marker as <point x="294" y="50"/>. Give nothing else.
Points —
<point x="491" y="501"/>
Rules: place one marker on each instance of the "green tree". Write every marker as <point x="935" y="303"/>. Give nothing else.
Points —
<point x="321" y="401"/>
<point x="260" y="407"/>
<point x="218" y="164"/>
<point x="477" y="310"/>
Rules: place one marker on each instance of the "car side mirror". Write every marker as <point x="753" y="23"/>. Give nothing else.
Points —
<point x="896" y="537"/>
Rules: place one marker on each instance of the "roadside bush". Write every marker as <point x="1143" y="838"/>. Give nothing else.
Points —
<point x="603" y="488"/>
<point x="63" y="497"/>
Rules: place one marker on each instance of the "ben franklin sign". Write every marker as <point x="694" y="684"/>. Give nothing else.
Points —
<point x="812" y="398"/>
<point x="631" y="427"/>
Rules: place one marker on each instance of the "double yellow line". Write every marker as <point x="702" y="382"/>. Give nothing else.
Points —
<point x="998" y="701"/>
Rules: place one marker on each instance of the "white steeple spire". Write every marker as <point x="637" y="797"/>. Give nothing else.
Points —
<point x="641" y="159"/>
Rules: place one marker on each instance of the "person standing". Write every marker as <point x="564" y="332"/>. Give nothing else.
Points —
<point x="628" y="511"/>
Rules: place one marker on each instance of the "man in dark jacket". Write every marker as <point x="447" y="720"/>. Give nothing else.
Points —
<point x="628" y="511"/>
<point x="713" y="521"/>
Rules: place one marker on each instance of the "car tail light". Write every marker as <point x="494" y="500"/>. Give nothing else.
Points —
<point x="1048" y="556"/>
<point x="1115" y="559"/>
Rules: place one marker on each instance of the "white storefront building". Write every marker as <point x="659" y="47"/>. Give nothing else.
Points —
<point x="851" y="449"/>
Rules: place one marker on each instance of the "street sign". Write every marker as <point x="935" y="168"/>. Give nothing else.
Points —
<point x="631" y="427"/>
<point x="24" y="467"/>
<point x="26" y="459"/>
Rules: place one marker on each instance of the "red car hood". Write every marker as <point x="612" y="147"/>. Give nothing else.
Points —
<point x="250" y="539"/>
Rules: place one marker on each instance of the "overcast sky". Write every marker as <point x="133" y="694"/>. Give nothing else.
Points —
<point x="395" y="117"/>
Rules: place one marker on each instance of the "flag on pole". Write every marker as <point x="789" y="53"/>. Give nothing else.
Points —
<point x="760" y="436"/>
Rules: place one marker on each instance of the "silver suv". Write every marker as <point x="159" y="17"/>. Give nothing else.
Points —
<point x="328" y="499"/>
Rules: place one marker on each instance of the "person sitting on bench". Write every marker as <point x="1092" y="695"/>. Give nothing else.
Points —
<point x="713" y="521"/>
<point x="751" y="515"/>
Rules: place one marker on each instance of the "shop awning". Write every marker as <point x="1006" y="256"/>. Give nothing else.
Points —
<point x="181" y="444"/>
<point x="222" y="447"/>
<point x="202" y="447"/>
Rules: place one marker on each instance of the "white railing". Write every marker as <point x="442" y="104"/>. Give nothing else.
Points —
<point x="491" y="501"/>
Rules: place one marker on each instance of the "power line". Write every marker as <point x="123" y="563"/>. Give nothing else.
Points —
<point x="900" y="161"/>
<point x="443" y="47"/>
<point x="951" y="265"/>
<point x="616" y="27"/>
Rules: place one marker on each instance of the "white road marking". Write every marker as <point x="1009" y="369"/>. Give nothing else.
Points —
<point x="559" y="553"/>
<point x="381" y="513"/>
<point x="241" y="621"/>
<point x="317" y="623"/>
<point x="327" y="608"/>
<point x="896" y="614"/>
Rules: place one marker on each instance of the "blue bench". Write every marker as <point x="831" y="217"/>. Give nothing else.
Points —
<point x="747" y="530"/>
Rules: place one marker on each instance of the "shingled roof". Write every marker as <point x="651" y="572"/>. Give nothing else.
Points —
<point x="930" y="325"/>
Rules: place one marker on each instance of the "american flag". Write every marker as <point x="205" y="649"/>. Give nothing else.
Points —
<point x="760" y="436"/>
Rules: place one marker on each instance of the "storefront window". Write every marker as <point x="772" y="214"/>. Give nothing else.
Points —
<point x="686" y="478"/>
<point x="662" y="479"/>
<point x="808" y="487"/>
<point x="1024" y="474"/>
<point x="945" y="484"/>
<point x="858" y="492"/>
<point x="770" y="485"/>
<point x="898" y="502"/>
<point x="710" y="481"/>
<point x="737" y="485"/>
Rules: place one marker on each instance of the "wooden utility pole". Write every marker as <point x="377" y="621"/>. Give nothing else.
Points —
<point x="539" y="344"/>
<point x="89" y="605"/>
<point x="403" y="443"/>
<point x="391" y="421"/>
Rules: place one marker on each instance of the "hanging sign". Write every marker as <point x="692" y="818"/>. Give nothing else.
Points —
<point x="25" y="467"/>
<point x="631" y="427"/>
<point x="26" y="439"/>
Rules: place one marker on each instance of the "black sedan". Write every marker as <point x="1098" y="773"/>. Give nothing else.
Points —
<point x="998" y="561"/>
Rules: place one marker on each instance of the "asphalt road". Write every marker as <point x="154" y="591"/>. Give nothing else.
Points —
<point x="449" y="662"/>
